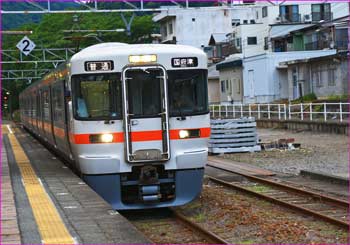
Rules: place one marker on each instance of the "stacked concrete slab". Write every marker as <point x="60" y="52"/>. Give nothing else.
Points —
<point x="233" y="135"/>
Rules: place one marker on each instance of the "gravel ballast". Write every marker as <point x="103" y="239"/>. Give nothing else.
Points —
<point x="327" y="153"/>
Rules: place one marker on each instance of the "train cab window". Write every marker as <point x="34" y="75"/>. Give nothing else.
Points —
<point x="97" y="97"/>
<point x="188" y="94"/>
<point x="144" y="92"/>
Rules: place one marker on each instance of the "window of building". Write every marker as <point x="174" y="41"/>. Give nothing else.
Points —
<point x="228" y="85"/>
<point x="238" y="42"/>
<point x="163" y="31"/>
<point x="223" y="87"/>
<point x="321" y="12"/>
<point x="341" y="39"/>
<point x="295" y="76"/>
<point x="238" y="86"/>
<point x="245" y="21"/>
<point x="252" y="40"/>
<point x="193" y="19"/>
<point x="331" y="75"/>
<point x="266" y="43"/>
<point x="252" y="21"/>
<point x="264" y="12"/>
<point x="170" y="28"/>
<point x="316" y="77"/>
<point x="289" y="13"/>
<point x="235" y="22"/>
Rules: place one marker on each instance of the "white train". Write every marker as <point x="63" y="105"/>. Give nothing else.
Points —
<point x="133" y="120"/>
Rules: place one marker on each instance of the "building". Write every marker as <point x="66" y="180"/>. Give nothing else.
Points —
<point x="195" y="27"/>
<point x="231" y="80"/>
<point x="264" y="80"/>
<point x="323" y="76"/>
<point x="326" y="35"/>
<point x="263" y="35"/>
<point x="213" y="85"/>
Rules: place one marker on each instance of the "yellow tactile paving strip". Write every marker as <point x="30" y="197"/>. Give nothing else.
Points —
<point x="9" y="224"/>
<point x="50" y="225"/>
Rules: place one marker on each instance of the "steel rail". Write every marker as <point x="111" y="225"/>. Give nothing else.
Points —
<point x="193" y="226"/>
<point x="332" y="220"/>
<point x="314" y="195"/>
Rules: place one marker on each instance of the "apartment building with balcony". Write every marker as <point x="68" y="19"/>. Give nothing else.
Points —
<point x="195" y="27"/>
<point x="326" y="35"/>
<point x="263" y="35"/>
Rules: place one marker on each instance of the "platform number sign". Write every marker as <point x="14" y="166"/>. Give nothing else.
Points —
<point x="26" y="45"/>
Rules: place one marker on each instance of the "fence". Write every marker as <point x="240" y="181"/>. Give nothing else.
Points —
<point x="303" y="111"/>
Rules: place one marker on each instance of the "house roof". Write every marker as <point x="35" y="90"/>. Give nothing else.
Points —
<point x="217" y="38"/>
<point x="212" y="72"/>
<point x="229" y="62"/>
<point x="284" y="30"/>
<point x="340" y="54"/>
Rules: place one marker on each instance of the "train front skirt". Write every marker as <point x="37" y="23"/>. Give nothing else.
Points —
<point x="172" y="188"/>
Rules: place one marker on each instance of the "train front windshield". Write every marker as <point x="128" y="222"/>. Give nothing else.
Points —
<point x="99" y="96"/>
<point x="188" y="92"/>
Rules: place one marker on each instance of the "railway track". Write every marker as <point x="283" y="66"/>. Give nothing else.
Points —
<point x="170" y="219"/>
<point x="330" y="209"/>
<point x="199" y="229"/>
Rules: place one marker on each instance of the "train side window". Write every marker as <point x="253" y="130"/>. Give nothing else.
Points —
<point x="46" y="105"/>
<point x="38" y="104"/>
<point x="57" y="103"/>
<point x="33" y="99"/>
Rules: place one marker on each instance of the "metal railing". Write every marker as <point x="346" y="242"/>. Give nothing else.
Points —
<point x="303" y="111"/>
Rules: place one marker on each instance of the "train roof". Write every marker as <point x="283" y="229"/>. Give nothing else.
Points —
<point x="112" y="49"/>
<point x="119" y="53"/>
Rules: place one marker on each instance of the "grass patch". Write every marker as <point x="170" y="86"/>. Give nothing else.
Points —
<point x="199" y="217"/>
<point x="338" y="97"/>
<point x="249" y="241"/>
<point x="306" y="98"/>
<point x="259" y="188"/>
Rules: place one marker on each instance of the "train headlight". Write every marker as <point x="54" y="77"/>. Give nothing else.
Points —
<point x="147" y="58"/>
<point x="189" y="133"/>
<point x="183" y="134"/>
<point x="107" y="138"/>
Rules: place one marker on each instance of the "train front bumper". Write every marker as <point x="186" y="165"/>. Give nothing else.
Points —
<point x="187" y="185"/>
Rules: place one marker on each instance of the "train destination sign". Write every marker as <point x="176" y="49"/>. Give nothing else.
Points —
<point x="184" y="62"/>
<point x="25" y="45"/>
<point x="99" y="65"/>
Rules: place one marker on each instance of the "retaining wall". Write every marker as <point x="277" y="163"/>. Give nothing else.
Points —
<point x="316" y="126"/>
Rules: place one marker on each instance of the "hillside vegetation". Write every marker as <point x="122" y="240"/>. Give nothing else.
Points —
<point x="48" y="33"/>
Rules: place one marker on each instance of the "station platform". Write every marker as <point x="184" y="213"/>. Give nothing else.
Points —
<point x="44" y="202"/>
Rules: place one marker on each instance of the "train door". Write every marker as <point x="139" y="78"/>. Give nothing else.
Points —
<point x="38" y="111"/>
<point x="41" y="115"/>
<point x="146" y="117"/>
<point x="47" y="114"/>
<point x="58" y="114"/>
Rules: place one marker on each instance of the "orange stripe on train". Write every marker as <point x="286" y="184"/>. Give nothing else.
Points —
<point x="139" y="136"/>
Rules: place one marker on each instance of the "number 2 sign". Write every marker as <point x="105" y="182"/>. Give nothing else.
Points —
<point x="25" y="45"/>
